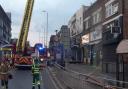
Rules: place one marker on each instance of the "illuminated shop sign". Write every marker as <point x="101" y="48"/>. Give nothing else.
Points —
<point x="85" y="39"/>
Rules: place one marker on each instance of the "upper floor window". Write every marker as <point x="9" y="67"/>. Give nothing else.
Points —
<point x="97" y="16"/>
<point x="86" y="25"/>
<point x="1" y="22"/>
<point x="1" y="32"/>
<point x="111" y="9"/>
<point x="87" y="22"/>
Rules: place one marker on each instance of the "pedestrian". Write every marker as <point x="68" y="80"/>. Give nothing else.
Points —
<point x="4" y="73"/>
<point x="36" y="72"/>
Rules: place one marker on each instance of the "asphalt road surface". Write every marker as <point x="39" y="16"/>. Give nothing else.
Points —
<point x="23" y="80"/>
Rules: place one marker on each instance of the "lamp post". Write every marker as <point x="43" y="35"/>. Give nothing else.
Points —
<point x="56" y="31"/>
<point x="39" y="35"/>
<point x="46" y="35"/>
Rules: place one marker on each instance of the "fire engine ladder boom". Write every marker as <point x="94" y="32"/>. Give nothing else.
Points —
<point x="20" y="46"/>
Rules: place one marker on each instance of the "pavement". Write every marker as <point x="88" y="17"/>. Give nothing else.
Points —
<point x="94" y="71"/>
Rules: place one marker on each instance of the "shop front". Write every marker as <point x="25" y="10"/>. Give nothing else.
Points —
<point x="122" y="63"/>
<point x="75" y="49"/>
<point x="112" y="35"/>
<point x="96" y="46"/>
<point x="85" y="48"/>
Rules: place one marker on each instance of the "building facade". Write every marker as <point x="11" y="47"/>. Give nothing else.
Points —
<point x="64" y="38"/>
<point x="76" y="28"/>
<point x="105" y="25"/>
<point x="92" y="34"/>
<point x="102" y="33"/>
<point x="112" y="33"/>
<point x="5" y="27"/>
<point x="54" y="41"/>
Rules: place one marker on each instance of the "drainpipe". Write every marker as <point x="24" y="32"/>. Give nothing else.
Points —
<point x="123" y="31"/>
<point x="124" y="37"/>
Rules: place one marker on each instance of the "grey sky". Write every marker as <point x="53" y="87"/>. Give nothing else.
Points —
<point x="59" y="11"/>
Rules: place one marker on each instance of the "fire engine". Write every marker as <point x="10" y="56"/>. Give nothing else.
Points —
<point x="22" y="59"/>
<point x="42" y="51"/>
<point x="20" y="51"/>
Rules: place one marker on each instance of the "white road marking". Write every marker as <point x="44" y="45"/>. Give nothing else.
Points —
<point x="52" y="80"/>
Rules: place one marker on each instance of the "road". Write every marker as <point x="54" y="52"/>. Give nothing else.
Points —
<point x="23" y="80"/>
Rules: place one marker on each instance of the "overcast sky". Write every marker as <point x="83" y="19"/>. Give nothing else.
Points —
<point x="59" y="12"/>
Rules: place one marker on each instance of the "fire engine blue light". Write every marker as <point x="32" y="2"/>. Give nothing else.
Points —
<point x="40" y="48"/>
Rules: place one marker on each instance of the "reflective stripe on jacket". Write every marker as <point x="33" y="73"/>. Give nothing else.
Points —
<point x="35" y="69"/>
<point x="4" y="70"/>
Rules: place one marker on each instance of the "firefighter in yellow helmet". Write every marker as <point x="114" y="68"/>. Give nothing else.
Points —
<point x="36" y="72"/>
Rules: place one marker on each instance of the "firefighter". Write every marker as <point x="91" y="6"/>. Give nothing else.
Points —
<point x="4" y="73"/>
<point x="36" y="72"/>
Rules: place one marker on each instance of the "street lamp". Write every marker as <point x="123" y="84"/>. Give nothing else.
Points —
<point x="39" y="34"/>
<point x="46" y="35"/>
<point x="56" y="31"/>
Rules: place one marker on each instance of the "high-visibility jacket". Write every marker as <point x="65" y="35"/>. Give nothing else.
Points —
<point x="35" y="69"/>
<point x="4" y="70"/>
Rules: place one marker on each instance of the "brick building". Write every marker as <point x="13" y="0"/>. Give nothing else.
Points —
<point x="102" y="32"/>
<point x="114" y="30"/>
<point x="113" y="20"/>
<point x="64" y="38"/>
<point x="76" y="28"/>
<point x="105" y="25"/>
<point x="92" y="33"/>
<point x="5" y="27"/>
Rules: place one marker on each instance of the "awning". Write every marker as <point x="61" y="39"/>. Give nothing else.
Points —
<point x="122" y="47"/>
<point x="74" y="46"/>
<point x="94" y="42"/>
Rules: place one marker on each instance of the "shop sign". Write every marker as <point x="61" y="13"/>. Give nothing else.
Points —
<point x="85" y="39"/>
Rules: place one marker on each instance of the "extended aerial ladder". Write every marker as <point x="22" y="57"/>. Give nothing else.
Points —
<point x="21" y="60"/>
<point x="20" y="46"/>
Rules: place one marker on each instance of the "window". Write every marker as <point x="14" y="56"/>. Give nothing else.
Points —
<point x="1" y="33"/>
<point x="97" y="16"/>
<point x="1" y="22"/>
<point x="115" y="8"/>
<point x="111" y="9"/>
<point x="80" y="20"/>
<point x="86" y="24"/>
